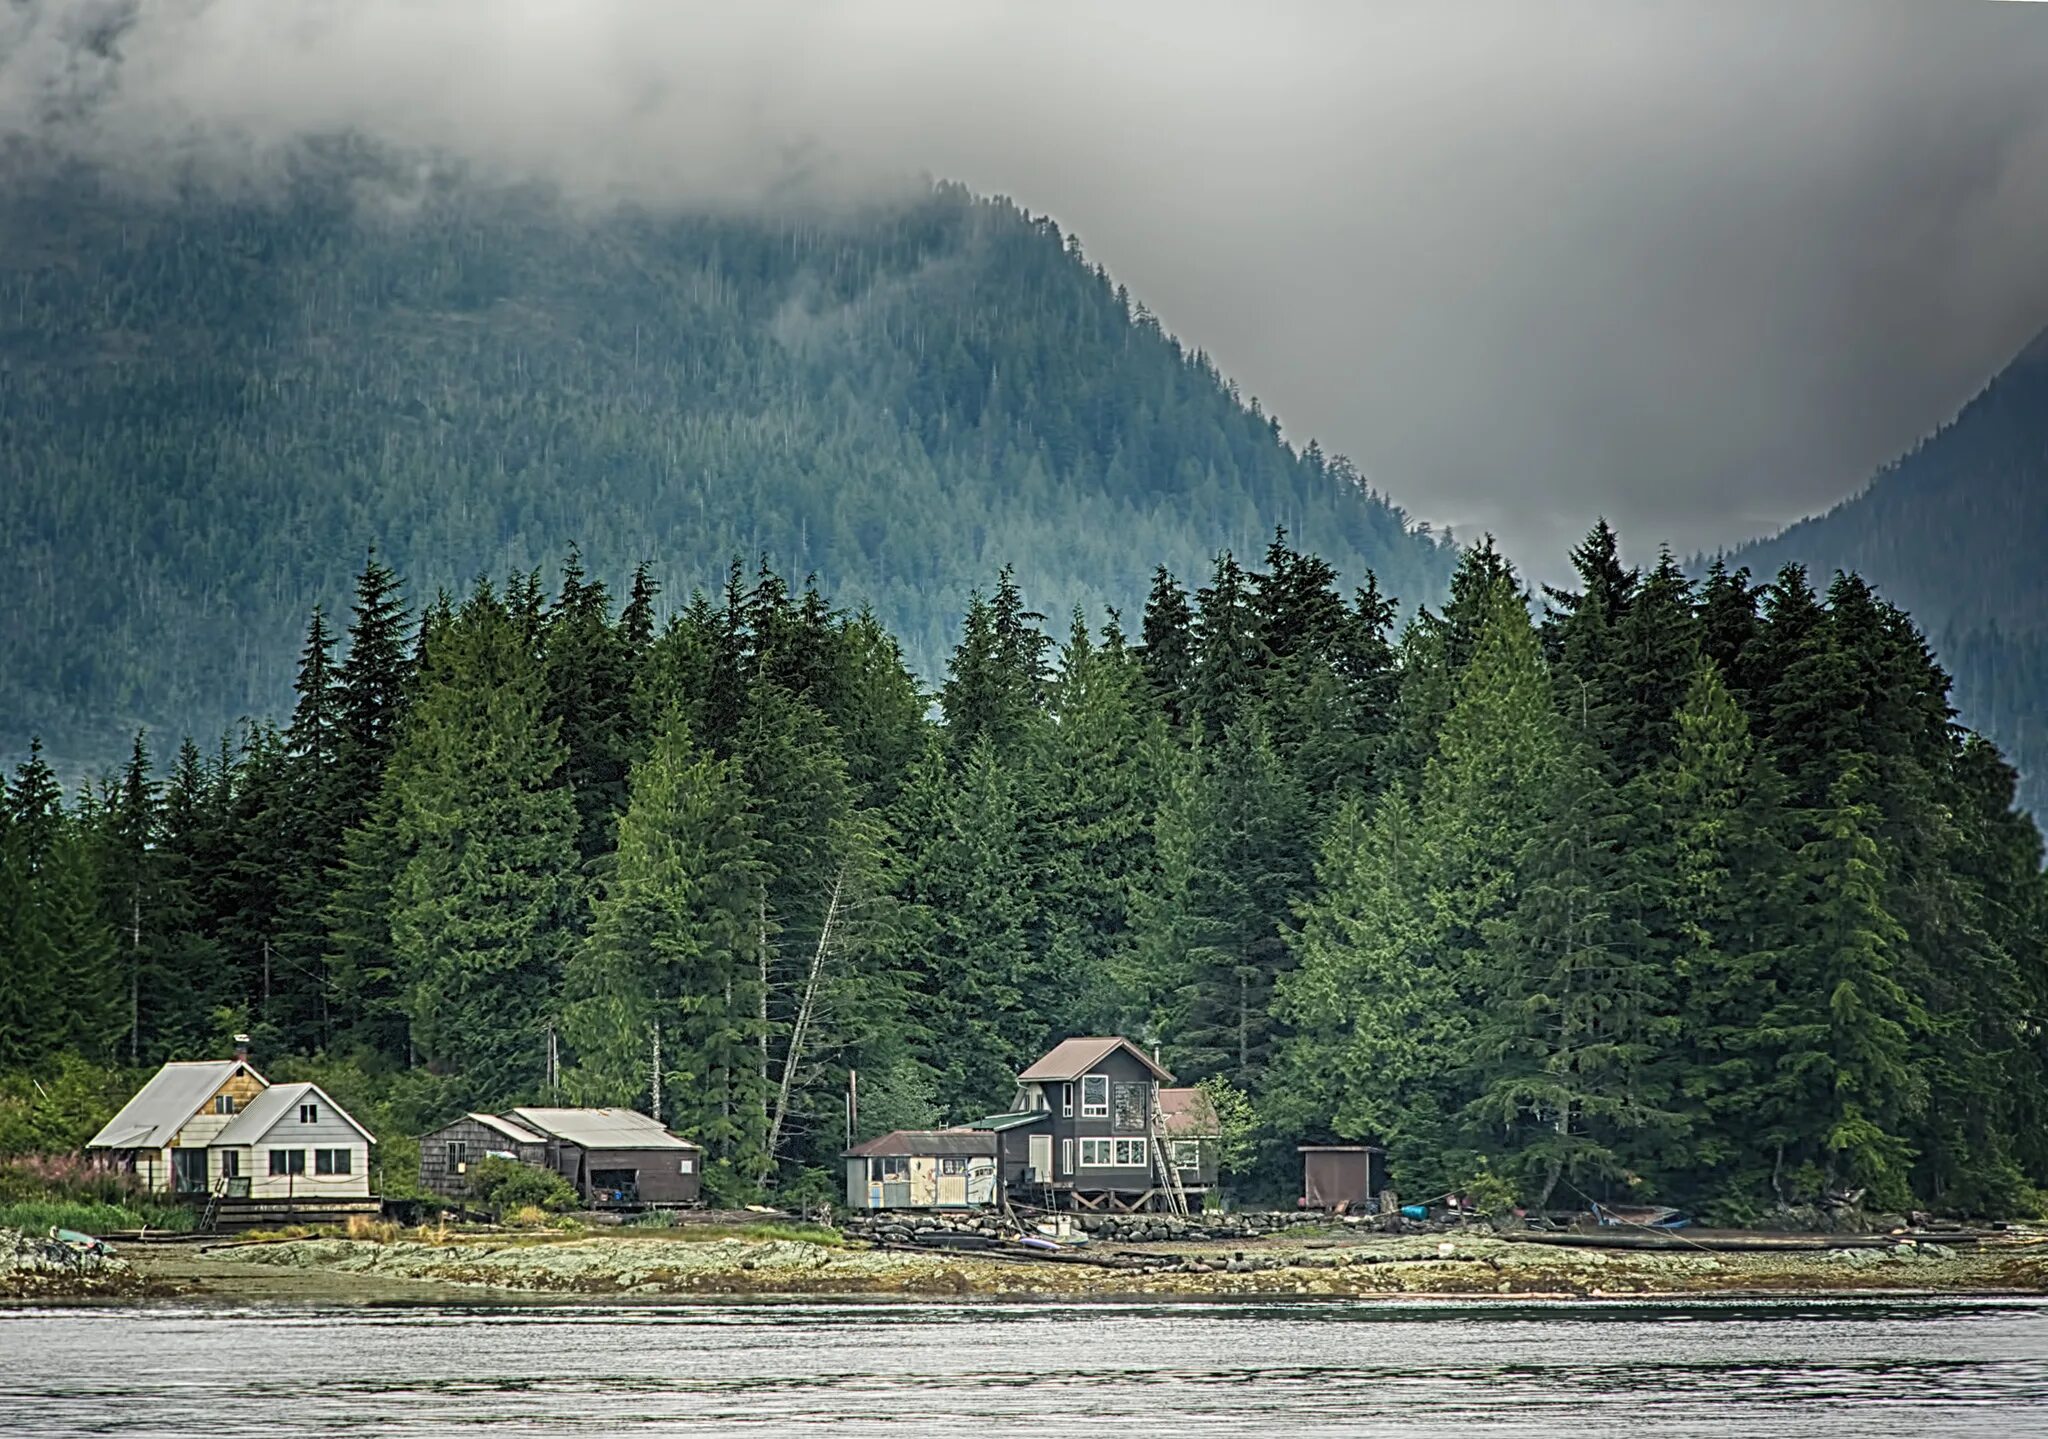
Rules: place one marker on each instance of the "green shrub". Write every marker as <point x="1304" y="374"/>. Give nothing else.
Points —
<point x="505" y="1186"/>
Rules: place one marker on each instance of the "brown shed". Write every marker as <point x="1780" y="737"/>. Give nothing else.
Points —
<point x="1347" y="1175"/>
<point x="616" y="1158"/>
<point x="447" y="1155"/>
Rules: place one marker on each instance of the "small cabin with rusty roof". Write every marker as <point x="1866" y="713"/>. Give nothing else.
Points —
<point x="922" y="1169"/>
<point x="1083" y="1130"/>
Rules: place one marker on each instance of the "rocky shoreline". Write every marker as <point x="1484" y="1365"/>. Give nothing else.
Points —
<point x="1306" y="1261"/>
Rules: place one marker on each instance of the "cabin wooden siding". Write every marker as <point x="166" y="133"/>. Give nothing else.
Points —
<point x="1121" y="1068"/>
<point x="290" y="1133"/>
<point x="1331" y="1175"/>
<point x="438" y="1171"/>
<point x="200" y="1129"/>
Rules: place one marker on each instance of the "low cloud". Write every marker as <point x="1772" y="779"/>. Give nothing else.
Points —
<point x="1698" y="266"/>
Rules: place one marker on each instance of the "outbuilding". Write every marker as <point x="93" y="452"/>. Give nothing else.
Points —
<point x="922" y="1169"/>
<point x="447" y="1154"/>
<point x="616" y="1158"/>
<point x="1341" y="1176"/>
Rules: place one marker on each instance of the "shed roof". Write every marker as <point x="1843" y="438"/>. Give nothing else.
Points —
<point x="600" y="1128"/>
<point x="262" y="1114"/>
<point x="1072" y="1058"/>
<point x="1016" y="1119"/>
<point x="161" y="1107"/>
<point x="1188" y="1114"/>
<point x="511" y="1129"/>
<point x="927" y="1143"/>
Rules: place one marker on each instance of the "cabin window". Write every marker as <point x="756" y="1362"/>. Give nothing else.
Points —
<point x="1187" y="1154"/>
<point x="309" y="1114"/>
<point x="885" y="1171"/>
<point x="689" y="1165"/>
<point x="1094" y="1097"/>
<point x="223" y="1104"/>
<point x="1095" y="1153"/>
<point x="1130" y="1153"/>
<point x="287" y="1161"/>
<point x="230" y="1164"/>
<point x="1067" y="1101"/>
<point x="952" y="1166"/>
<point x="1066" y="1156"/>
<point x="330" y="1161"/>
<point x="458" y="1155"/>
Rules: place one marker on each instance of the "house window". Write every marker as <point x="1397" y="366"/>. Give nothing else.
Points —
<point x="952" y="1166"/>
<point x="309" y="1114"/>
<point x="330" y="1161"/>
<point x="889" y="1171"/>
<point x="1067" y="1154"/>
<point x="287" y="1161"/>
<point x="689" y="1165"/>
<point x="1067" y="1101"/>
<point x="1095" y="1153"/>
<point x="223" y="1104"/>
<point x="1094" y="1097"/>
<point x="1187" y="1154"/>
<point x="1130" y="1153"/>
<point x="231" y="1164"/>
<point x="458" y="1156"/>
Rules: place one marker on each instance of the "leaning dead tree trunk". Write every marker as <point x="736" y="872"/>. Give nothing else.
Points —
<point x="806" y="1007"/>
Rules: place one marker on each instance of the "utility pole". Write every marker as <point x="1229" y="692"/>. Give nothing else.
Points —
<point x="554" y="1064"/>
<point x="657" y="1071"/>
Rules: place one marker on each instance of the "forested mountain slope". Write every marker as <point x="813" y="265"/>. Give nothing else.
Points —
<point x="214" y="405"/>
<point x="1952" y="532"/>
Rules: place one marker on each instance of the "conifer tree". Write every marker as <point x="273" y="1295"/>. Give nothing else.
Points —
<point x="674" y="943"/>
<point x="481" y="912"/>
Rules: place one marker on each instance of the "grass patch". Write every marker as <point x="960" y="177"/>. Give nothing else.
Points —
<point x="39" y="1216"/>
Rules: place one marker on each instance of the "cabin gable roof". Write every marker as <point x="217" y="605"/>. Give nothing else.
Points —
<point x="1072" y="1058"/>
<point x="161" y="1107"/>
<point x="263" y="1114"/>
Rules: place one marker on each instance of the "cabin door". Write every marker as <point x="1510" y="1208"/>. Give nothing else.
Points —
<point x="188" y="1171"/>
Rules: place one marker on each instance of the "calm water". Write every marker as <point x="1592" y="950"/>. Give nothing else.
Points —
<point x="1785" y="1370"/>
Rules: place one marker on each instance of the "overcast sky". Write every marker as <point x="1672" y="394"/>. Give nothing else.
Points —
<point x="1698" y="266"/>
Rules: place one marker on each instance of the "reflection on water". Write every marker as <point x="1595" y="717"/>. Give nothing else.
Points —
<point x="1579" y="1369"/>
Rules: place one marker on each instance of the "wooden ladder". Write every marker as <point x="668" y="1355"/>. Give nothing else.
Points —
<point x="1176" y="1196"/>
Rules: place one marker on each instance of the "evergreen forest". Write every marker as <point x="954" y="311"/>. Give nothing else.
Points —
<point x="1948" y="533"/>
<point x="1637" y="888"/>
<point x="217" y="398"/>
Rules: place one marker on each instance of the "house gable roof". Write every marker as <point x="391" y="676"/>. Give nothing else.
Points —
<point x="1016" y="1119"/>
<point x="928" y="1143"/>
<point x="1072" y="1058"/>
<point x="262" y="1114"/>
<point x="600" y="1128"/>
<point x="160" y="1108"/>
<point x="1188" y="1114"/>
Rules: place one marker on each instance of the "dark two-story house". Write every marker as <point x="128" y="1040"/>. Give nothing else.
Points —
<point x="1084" y="1129"/>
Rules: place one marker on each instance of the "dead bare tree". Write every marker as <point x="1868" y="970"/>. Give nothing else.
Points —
<point x="806" y="1007"/>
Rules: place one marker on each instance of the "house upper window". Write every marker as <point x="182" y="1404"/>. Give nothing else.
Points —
<point x="1095" y="1153"/>
<point x="309" y="1114"/>
<point x="287" y="1161"/>
<point x="223" y="1104"/>
<point x="1067" y="1101"/>
<point x="331" y="1161"/>
<point x="1094" y="1097"/>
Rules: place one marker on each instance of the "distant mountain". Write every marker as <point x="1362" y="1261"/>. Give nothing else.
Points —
<point x="213" y="405"/>
<point x="1956" y="532"/>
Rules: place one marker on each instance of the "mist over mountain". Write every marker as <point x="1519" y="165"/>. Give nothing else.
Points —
<point x="219" y="399"/>
<point x="1952" y="532"/>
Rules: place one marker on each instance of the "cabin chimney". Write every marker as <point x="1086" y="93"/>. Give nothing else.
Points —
<point x="241" y="1049"/>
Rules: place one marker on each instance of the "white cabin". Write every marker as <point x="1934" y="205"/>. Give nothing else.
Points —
<point x="202" y="1128"/>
